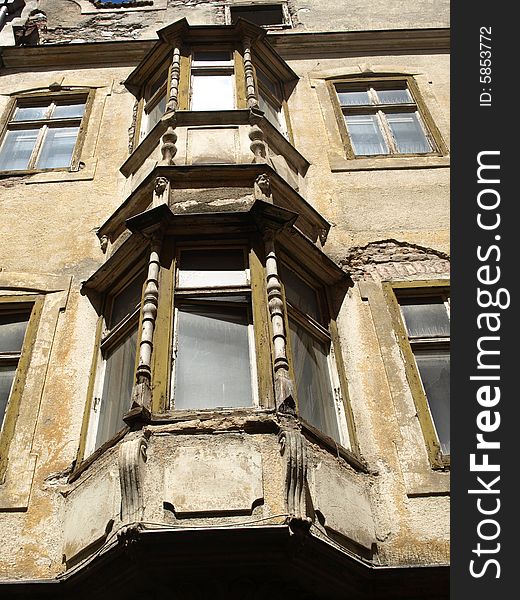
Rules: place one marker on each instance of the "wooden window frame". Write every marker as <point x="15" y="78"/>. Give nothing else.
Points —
<point x="150" y="100"/>
<point x="394" y="291"/>
<point x="417" y="106"/>
<point x="107" y="339"/>
<point x="32" y="305"/>
<point x="255" y="4"/>
<point x="41" y="99"/>
<point x="186" y="292"/>
<point x="326" y="332"/>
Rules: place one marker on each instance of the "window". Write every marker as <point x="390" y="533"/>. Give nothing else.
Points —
<point x="155" y="102"/>
<point x="265" y="15"/>
<point x="212" y="80"/>
<point x="423" y="322"/>
<point x="316" y="377"/>
<point x="270" y="100"/>
<point x="13" y="325"/>
<point x="214" y="362"/>
<point x="116" y="368"/>
<point x="19" y="316"/>
<point x="382" y="117"/>
<point x="42" y="133"/>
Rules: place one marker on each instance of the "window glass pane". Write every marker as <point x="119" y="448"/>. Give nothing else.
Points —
<point x="155" y="115"/>
<point x="30" y="113"/>
<point x="158" y="82"/>
<point x="272" y="114"/>
<point x="394" y="96"/>
<point x="353" y="98"/>
<point x="300" y="294"/>
<point x="212" y="92"/>
<point x="434" y="368"/>
<point x="260" y="15"/>
<point x="408" y="133"/>
<point x="12" y="331"/>
<point x="67" y="111"/>
<point x="117" y="388"/>
<point x="127" y="300"/>
<point x="7" y="373"/>
<point x="206" y="268"/>
<point x="212" y="362"/>
<point x="313" y="385"/>
<point x="426" y="318"/>
<point x="211" y="58"/>
<point x="17" y="148"/>
<point x="57" y="148"/>
<point x="365" y="135"/>
<point x="269" y="84"/>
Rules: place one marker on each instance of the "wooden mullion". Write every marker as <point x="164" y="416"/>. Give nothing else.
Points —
<point x="31" y="164"/>
<point x="387" y="132"/>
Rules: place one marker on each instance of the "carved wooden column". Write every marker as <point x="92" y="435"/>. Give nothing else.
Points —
<point x="292" y="446"/>
<point x="256" y="135"/>
<point x="132" y="459"/>
<point x="251" y="92"/>
<point x="169" y="138"/>
<point x="142" y="395"/>
<point x="284" y="388"/>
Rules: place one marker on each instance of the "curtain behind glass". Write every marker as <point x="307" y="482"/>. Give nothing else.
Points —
<point x="212" y="363"/>
<point x="58" y="146"/>
<point x="117" y="388"/>
<point x="408" y="133"/>
<point x="17" y="149"/>
<point x="313" y="386"/>
<point x="365" y="135"/>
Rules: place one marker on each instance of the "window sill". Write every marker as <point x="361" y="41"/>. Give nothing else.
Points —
<point x="383" y="163"/>
<point x="433" y="483"/>
<point x="331" y="445"/>
<point x="54" y="175"/>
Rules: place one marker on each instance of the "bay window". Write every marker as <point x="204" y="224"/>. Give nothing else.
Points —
<point x="213" y="340"/>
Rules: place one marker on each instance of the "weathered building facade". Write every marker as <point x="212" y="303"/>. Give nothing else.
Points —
<point x="224" y="301"/>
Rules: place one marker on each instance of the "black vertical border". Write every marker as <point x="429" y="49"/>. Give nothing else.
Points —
<point x="475" y="129"/>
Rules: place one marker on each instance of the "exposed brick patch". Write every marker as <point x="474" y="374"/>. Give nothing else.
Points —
<point x="392" y="259"/>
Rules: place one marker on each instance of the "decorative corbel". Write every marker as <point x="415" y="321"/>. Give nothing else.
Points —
<point x="142" y="392"/>
<point x="293" y="448"/>
<point x="132" y="459"/>
<point x="168" y="147"/>
<point x="160" y="191"/>
<point x="103" y="243"/>
<point x="262" y="188"/>
<point x="256" y="135"/>
<point x="283" y="384"/>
